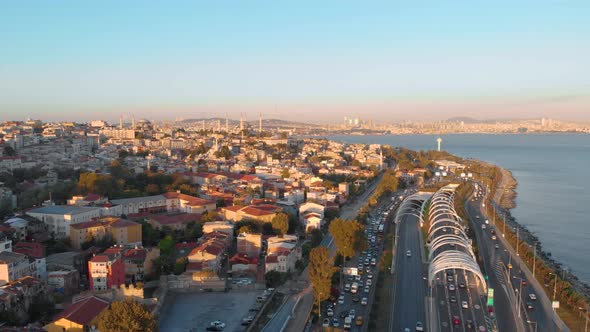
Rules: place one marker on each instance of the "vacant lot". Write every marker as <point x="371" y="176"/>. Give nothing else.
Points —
<point x="192" y="312"/>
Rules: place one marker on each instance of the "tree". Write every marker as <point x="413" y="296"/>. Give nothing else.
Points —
<point x="180" y="265"/>
<point x="127" y="315"/>
<point x="285" y="173"/>
<point x="320" y="269"/>
<point x="316" y="237"/>
<point x="166" y="245"/>
<point x="348" y="236"/>
<point x="275" y="278"/>
<point x="280" y="223"/>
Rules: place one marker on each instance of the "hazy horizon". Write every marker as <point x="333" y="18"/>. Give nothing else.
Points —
<point x="301" y="61"/>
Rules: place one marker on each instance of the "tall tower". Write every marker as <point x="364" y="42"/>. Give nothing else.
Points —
<point x="260" y="123"/>
<point x="438" y="141"/>
<point x="241" y="122"/>
<point x="203" y="124"/>
<point x="218" y="125"/>
<point x="121" y="122"/>
<point x="226" y="123"/>
<point x="133" y="122"/>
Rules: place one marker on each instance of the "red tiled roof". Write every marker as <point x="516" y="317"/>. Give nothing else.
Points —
<point x="233" y="208"/>
<point x="91" y="197"/>
<point x="255" y="211"/>
<point x="85" y="311"/>
<point x="243" y="259"/>
<point x="32" y="249"/>
<point x="100" y="258"/>
<point x="135" y="253"/>
<point x="183" y="218"/>
<point x="272" y="259"/>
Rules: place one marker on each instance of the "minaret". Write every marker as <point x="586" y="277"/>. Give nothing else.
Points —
<point x="438" y="141"/>
<point x="121" y="122"/>
<point x="241" y="122"/>
<point x="226" y="123"/>
<point x="260" y="123"/>
<point x="133" y="122"/>
<point x="218" y="125"/>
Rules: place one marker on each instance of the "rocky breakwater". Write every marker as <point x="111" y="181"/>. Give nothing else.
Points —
<point x="504" y="200"/>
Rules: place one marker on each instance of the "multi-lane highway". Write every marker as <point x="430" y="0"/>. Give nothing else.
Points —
<point x="515" y="309"/>
<point x="410" y="270"/>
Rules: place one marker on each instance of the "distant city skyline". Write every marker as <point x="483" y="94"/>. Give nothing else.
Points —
<point x="296" y="61"/>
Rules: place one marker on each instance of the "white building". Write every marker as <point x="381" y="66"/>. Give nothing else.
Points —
<point x="58" y="218"/>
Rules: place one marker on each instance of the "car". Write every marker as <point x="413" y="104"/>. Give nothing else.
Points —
<point x="370" y="276"/>
<point x="469" y="324"/>
<point x="335" y="322"/>
<point x="364" y="301"/>
<point x="461" y="285"/>
<point x="533" y="297"/>
<point x="355" y="299"/>
<point x="419" y="327"/>
<point x="408" y="253"/>
<point x="464" y="305"/>
<point x="343" y="314"/>
<point x="357" y="278"/>
<point x="367" y="289"/>
<point x="456" y="320"/>
<point x="216" y="326"/>
<point x="494" y="237"/>
<point x="450" y="278"/>
<point x="369" y="282"/>
<point x="349" y="278"/>
<point x="341" y="299"/>
<point x="326" y="322"/>
<point x="352" y="313"/>
<point x="347" y="287"/>
<point x="497" y="246"/>
<point x="451" y="287"/>
<point x="510" y="266"/>
<point x="407" y="329"/>
<point x="359" y="321"/>
<point x="453" y="299"/>
<point x="529" y="306"/>
<point x="330" y="312"/>
<point x="524" y="282"/>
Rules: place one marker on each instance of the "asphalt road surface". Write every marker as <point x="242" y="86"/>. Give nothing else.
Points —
<point x="410" y="287"/>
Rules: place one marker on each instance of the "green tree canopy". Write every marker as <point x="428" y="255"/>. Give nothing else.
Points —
<point x="348" y="236"/>
<point x="280" y="223"/>
<point x="127" y="316"/>
<point x="166" y="245"/>
<point x="320" y="269"/>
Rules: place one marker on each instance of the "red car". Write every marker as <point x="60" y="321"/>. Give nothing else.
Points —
<point x="456" y="320"/>
<point x="524" y="283"/>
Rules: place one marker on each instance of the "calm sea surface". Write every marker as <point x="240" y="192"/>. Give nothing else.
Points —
<point x="553" y="183"/>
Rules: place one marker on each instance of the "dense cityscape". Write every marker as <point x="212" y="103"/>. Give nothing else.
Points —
<point x="294" y="166"/>
<point x="158" y="218"/>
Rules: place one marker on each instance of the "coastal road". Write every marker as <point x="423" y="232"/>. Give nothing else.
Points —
<point x="511" y="294"/>
<point x="410" y="287"/>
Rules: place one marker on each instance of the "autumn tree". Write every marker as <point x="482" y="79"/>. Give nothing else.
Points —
<point x="127" y="315"/>
<point x="348" y="236"/>
<point x="280" y="223"/>
<point x="321" y="269"/>
<point x="285" y="174"/>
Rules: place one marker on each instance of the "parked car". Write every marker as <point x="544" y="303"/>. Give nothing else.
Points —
<point x="364" y="301"/>
<point x="326" y="322"/>
<point x="419" y="327"/>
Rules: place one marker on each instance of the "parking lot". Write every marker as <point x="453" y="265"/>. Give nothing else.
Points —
<point x="192" y="312"/>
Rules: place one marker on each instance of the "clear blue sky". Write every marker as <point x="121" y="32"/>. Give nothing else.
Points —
<point x="306" y="60"/>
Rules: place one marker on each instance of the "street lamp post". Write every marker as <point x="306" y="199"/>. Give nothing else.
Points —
<point x="555" y="286"/>
<point x="519" y="299"/>
<point x="531" y="322"/>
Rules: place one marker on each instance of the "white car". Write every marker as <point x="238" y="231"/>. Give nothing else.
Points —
<point x="364" y="301"/>
<point x="409" y="253"/>
<point x="330" y="312"/>
<point x="464" y="305"/>
<point x="341" y="299"/>
<point x="326" y="322"/>
<point x="451" y="287"/>
<point x="369" y="282"/>
<point x="217" y="324"/>
<point x="367" y="289"/>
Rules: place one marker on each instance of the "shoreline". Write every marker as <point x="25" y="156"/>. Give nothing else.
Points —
<point x="504" y="201"/>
